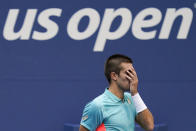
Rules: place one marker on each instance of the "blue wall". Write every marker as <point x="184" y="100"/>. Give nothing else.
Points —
<point x="45" y="83"/>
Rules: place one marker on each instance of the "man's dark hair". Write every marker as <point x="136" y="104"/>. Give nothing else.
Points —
<point x="113" y="64"/>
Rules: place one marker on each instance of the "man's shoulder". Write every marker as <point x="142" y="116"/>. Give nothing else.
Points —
<point x="97" y="102"/>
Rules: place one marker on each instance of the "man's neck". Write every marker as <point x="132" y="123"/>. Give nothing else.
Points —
<point x="116" y="91"/>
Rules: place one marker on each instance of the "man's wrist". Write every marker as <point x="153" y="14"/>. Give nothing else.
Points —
<point x="139" y="104"/>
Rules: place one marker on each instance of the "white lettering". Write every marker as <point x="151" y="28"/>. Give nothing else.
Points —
<point x="104" y="31"/>
<point x="145" y="19"/>
<point x="51" y="26"/>
<point x="25" y="31"/>
<point x="72" y="27"/>
<point x="171" y="15"/>
<point x="140" y="22"/>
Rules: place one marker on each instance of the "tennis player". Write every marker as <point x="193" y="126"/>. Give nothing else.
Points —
<point x="120" y="105"/>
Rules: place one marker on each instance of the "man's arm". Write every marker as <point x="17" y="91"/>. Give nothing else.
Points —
<point x="144" y="117"/>
<point x="145" y="120"/>
<point x="82" y="128"/>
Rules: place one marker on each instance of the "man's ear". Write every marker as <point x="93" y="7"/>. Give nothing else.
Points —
<point x="113" y="76"/>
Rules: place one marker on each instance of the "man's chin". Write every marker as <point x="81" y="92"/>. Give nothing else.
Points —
<point x="126" y="89"/>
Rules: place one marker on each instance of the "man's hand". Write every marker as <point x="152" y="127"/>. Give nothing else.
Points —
<point x="133" y="80"/>
<point x="144" y="118"/>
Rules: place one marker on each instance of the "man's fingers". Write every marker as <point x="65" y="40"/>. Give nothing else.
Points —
<point x="129" y="78"/>
<point x="129" y="73"/>
<point x="133" y="71"/>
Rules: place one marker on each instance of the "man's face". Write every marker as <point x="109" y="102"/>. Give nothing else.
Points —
<point x="122" y="81"/>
